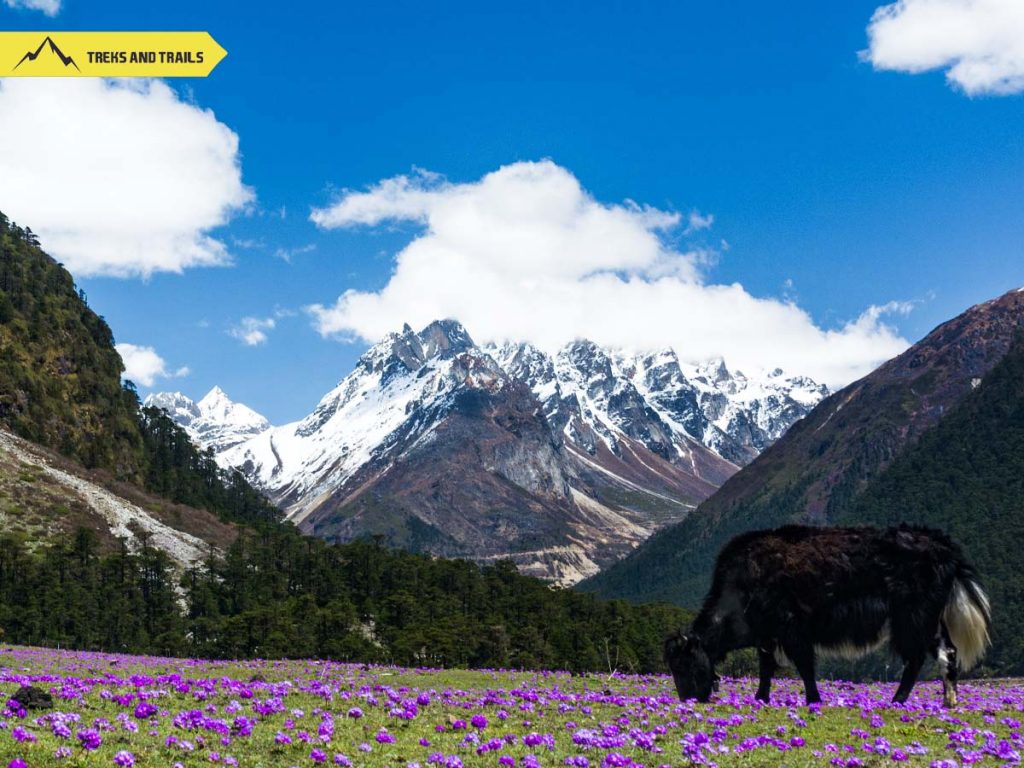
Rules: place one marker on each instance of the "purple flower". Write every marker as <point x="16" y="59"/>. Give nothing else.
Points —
<point x="478" y="721"/>
<point x="17" y="763"/>
<point x="318" y="756"/>
<point x="124" y="759"/>
<point x="90" y="738"/>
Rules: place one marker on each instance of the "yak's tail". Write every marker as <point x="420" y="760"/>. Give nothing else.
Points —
<point x="967" y="617"/>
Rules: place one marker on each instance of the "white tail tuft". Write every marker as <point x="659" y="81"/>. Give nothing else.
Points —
<point x="966" y="616"/>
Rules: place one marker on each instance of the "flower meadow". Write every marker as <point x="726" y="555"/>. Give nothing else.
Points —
<point x="112" y="710"/>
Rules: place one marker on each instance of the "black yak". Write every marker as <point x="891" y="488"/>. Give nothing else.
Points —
<point x="797" y="591"/>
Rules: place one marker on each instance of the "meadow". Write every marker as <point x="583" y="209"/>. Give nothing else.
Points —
<point x="115" y="710"/>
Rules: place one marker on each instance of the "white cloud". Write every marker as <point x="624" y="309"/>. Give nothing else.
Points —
<point x="117" y="178"/>
<point x="980" y="43"/>
<point x="49" y="7"/>
<point x="527" y="254"/>
<point x="144" y="366"/>
<point x="697" y="222"/>
<point x="252" y="331"/>
<point x="286" y="254"/>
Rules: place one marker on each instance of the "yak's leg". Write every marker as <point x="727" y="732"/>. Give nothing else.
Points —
<point x="911" y="668"/>
<point x="946" y="655"/>
<point x="768" y="666"/>
<point x="802" y="657"/>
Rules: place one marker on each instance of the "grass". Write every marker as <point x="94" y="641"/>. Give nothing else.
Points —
<point x="165" y="712"/>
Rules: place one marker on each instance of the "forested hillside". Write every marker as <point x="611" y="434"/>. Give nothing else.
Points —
<point x="966" y="476"/>
<point x="59" y="372"/>
<point x="60" y="387"/>
<point x="278" y="594"/>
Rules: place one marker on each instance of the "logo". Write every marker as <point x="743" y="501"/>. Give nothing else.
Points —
<point x="33" y="55"/>
<point x="108" y="54"/>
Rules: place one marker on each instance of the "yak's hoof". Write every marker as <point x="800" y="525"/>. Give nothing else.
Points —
<point x="949" y="699"/>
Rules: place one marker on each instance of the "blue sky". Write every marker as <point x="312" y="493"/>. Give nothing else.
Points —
<point x="834" y="185"/>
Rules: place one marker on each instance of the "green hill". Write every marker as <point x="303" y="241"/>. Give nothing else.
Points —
<point x="966" y="476"/>
<point x="60" y="387"/>
<point x="59" y="372"/>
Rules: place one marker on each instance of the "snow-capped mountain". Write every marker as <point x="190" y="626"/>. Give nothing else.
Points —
<point x="214" y="422"/>
<point x="561" y="462"/>
<point x="658" y="400"/>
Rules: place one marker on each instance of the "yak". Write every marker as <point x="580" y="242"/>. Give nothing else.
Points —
<point x="797" y="591"/>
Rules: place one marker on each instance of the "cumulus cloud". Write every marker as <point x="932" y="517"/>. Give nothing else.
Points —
<point x="118" y="178"/>
<point x="144" y="366"/>
<point x="525" y="253"/>
<point x="49" y="7"/>
<point x="980" y="43"/>
<point x="252" y="331"/>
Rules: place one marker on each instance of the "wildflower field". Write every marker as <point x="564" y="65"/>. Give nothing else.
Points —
<point x="111" y="710"/>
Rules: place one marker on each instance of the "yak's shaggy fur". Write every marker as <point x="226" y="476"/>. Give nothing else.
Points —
<point x="797" y="591"/>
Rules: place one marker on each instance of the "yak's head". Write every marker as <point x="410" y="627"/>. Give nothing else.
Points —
<point x="691" y="667"/>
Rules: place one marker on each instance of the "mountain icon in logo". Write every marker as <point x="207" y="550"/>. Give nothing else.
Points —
<point x="33" y="55"/>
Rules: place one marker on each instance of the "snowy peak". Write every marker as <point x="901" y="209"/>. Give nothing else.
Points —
<point x="744" y="415"/>
<point x="217" y="408"/>
<point x="593" y="396"/>
<point x="216" y="421"/>
<point x="407" y="351"/>
<point x="179" y="407"/>
<point x="445" y="339"/>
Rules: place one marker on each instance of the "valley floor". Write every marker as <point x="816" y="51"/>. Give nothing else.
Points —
<point x="112" y="710"/>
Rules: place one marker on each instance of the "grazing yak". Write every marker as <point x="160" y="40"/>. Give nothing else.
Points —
<point x="797" y="591"/>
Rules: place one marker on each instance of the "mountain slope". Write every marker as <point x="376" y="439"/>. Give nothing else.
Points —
<point x="45" y="498"/>
<point x="122" y="471"/>
<point x="562" y="462"/>
<point x="966" y="475"/>
<point x="826" y="460"/>
<point x="59" y="372"/>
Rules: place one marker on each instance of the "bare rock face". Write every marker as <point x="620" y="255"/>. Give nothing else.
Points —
<point x="563" y="463"/>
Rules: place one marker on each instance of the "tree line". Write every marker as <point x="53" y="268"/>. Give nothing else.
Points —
<point x="277" y="594"/>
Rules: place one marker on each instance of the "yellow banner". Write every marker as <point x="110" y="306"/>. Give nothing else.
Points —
<point x="108" y="54"/>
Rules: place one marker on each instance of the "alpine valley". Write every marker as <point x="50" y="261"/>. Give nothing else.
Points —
<point x="563" y="463"/>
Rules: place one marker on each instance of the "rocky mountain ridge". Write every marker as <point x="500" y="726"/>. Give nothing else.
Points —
<point x="562" y="462"/>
